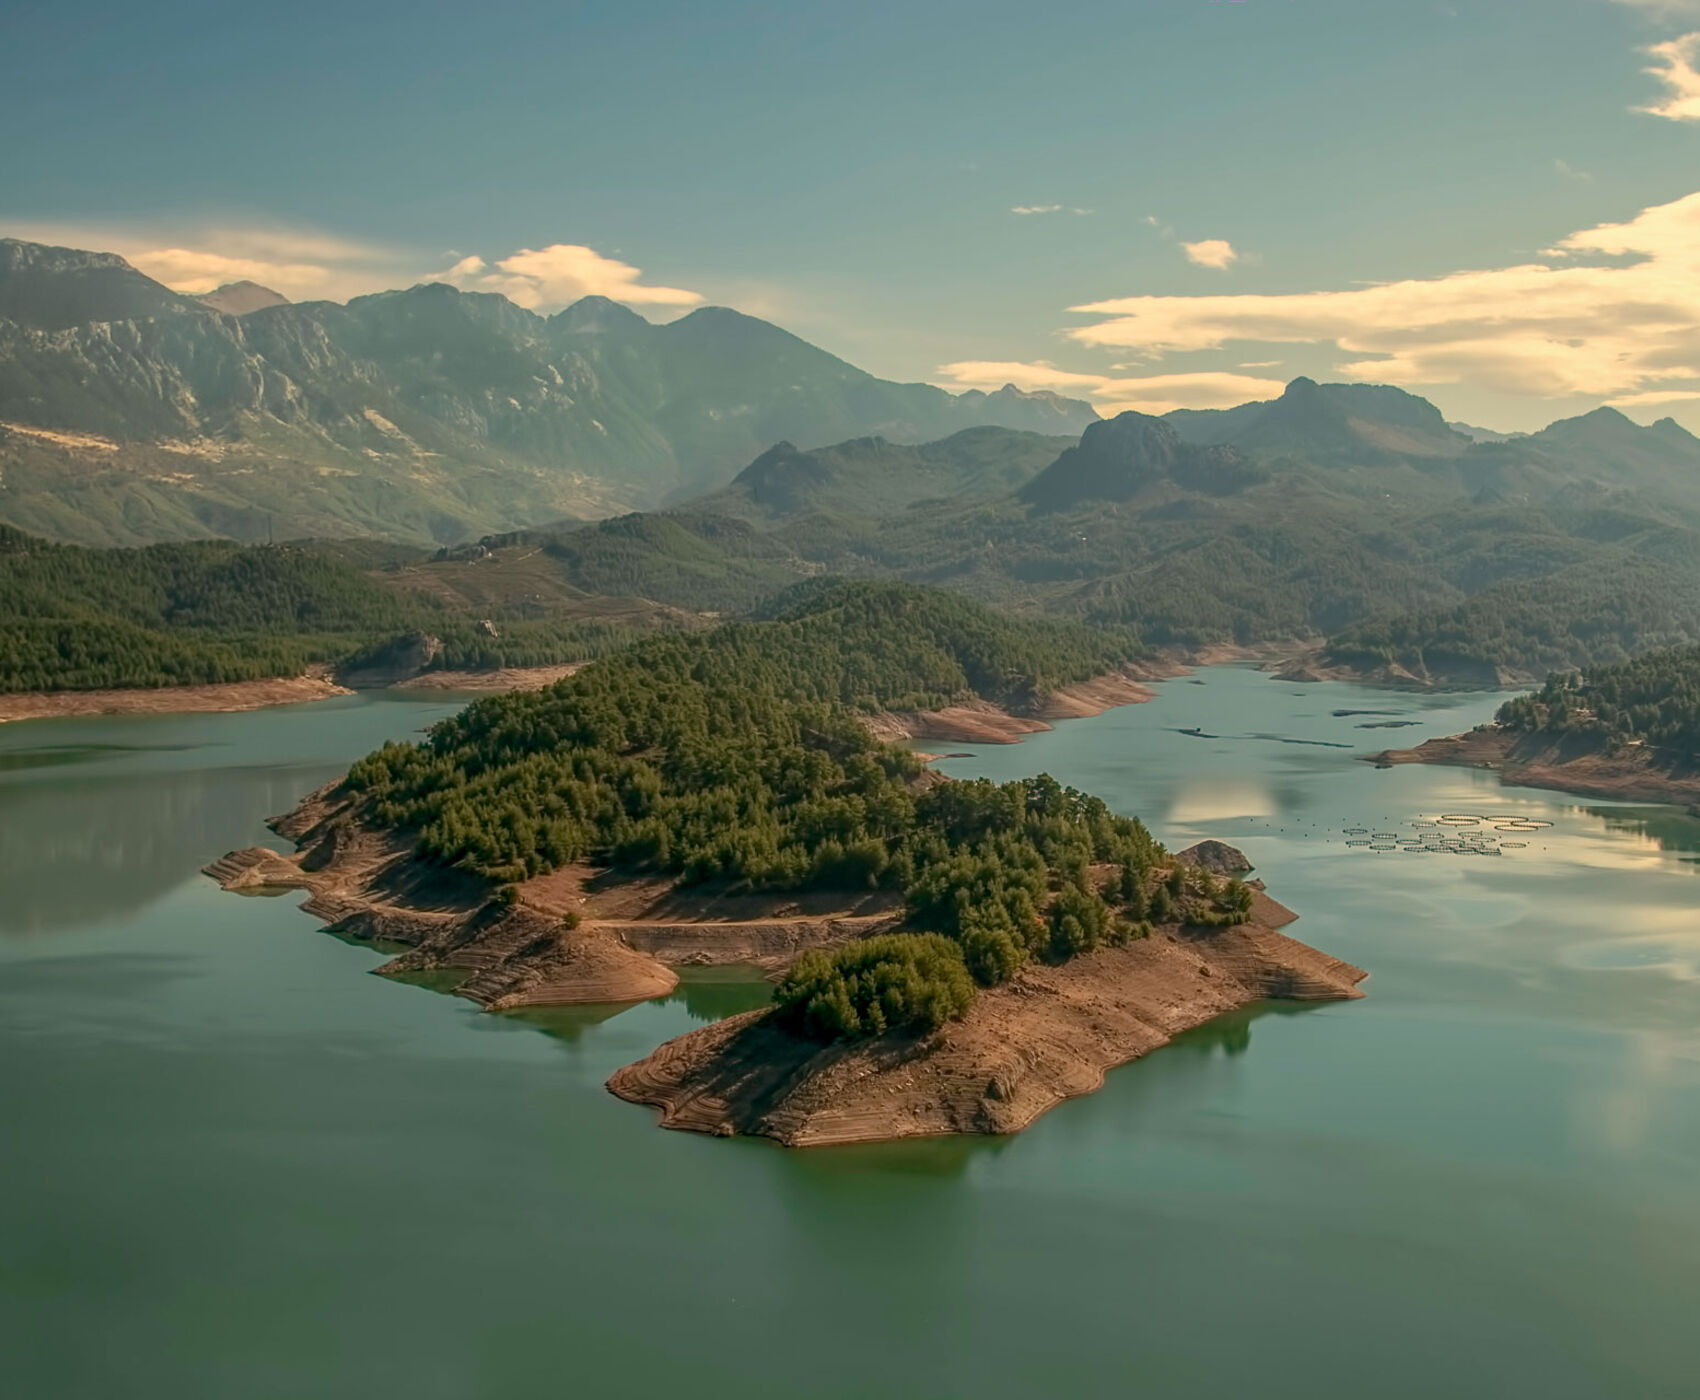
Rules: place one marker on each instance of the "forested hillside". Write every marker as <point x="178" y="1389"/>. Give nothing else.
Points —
<point x="1653" y="700"/>
<point x="737" y="756"/>
<point x="1392" y="538"/>
<point x="192" y="614"/>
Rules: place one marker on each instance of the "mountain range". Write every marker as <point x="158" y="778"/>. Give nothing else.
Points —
<point x="130" y="413"/>
<point x="1345" y="516"/>
<point x="1349" y="517"/>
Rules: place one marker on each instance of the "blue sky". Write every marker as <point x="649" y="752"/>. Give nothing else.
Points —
<point x="852" y="172"/>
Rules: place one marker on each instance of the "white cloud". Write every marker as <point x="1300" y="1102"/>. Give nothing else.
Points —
<point x="545" y="279"/>
<point x="299" y="263"/>
<point x="1673" y="65"/>
<point x="1211" y="252"/>
<point x="1110" y="394"/>
<point x="1571" y="172"/>
<point x="1611" y="311"/>
<point x="1656" y="397"/>
<point x="307" y="265"/>
<point x="1035" y="209"/>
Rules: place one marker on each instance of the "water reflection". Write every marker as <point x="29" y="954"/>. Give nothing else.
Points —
<point x="61" y="755"/>
<point x="1664" y="828"/>
<point x="568" y="1023"/>
<point x="1231" y="1033"/>
<point x="714" y="993"/>
<point x="1216" y="798"/>
<point x="90" y="850"/>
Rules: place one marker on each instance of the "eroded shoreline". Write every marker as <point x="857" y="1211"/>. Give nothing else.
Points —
<point x="1573" y="763"/>
<point x="585" y="935"/>
<point x="1050" y="1034"/>
<point x="228" y="697"/>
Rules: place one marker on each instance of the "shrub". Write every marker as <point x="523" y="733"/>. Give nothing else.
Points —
<point x="897" y="981"/>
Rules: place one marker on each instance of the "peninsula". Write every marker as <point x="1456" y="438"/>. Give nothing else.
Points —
<point x="1629" y="731"/>
<point x="949" y="956"/>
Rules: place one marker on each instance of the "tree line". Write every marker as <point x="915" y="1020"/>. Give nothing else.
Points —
<point x="738" y="756"/>
<point x="74" y="618"/>
<point x="1652" y="699"/>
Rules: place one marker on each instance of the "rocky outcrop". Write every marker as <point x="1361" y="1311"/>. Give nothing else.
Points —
<point x="1217" y="857"/>
<point x="402" y="660"/>
<point x="1128" y="455"/>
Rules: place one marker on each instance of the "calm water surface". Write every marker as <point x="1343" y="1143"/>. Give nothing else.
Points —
<point x="235" y="1167"/>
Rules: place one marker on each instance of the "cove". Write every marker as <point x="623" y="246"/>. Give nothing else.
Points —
<point x="236" y="1166"/>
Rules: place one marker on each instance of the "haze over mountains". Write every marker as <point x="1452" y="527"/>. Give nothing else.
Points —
<point x="428" y="415"/>
<point x="1345" y="514"/>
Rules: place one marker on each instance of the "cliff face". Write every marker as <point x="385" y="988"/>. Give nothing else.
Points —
<point x="1131" y="454"/>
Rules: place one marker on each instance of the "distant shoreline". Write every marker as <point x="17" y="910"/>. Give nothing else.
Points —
<point x="228" y="697"/>
<point x="231" y="697"/>
<point x="1635" y="773"/>
<point x="972" y="722"/>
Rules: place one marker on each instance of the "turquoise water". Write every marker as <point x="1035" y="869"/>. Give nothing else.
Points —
<point x="234" y="1167"/>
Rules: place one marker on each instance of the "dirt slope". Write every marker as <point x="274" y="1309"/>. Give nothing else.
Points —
<point x="1049" y="1035"/>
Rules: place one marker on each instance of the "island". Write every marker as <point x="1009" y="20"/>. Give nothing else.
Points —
<point x="948" y="956"/>
<point x="1629" y="731"/>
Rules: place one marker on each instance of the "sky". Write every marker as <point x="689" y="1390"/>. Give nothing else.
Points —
<point x="1145" y="203"/>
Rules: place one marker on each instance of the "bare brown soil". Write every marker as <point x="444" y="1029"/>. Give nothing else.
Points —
<point x="1311" y="666"/>
<point x="1575" y="764"/>
<point x="259" y="695"/>
<point x="1049" y="1035"/>
<point x="981" y="722"/>
<point x="508" y="678"/>
<point x="177" y="699"/>
<point x="578" y="935"/>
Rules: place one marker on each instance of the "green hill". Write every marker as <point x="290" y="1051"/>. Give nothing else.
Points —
<point x="1473" y="563"/>
<point x="736" y="756"/>
<point x="205" y="612"/>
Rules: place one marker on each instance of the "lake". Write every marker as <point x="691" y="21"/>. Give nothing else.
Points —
<point x="235" y="1166"/>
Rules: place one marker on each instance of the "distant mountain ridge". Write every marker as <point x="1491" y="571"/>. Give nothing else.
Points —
<point x="129" y="412"/>
<point x="239" y="298"/>
<point x="1369" y="424"/>
<point x="1418" y="554"/>
<point x="873" y="477"/>
<point x="1131" y="453"/>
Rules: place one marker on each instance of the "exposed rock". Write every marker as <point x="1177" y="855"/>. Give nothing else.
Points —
<point x="1217" y="857"/>
<point x="403" y="659"/>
